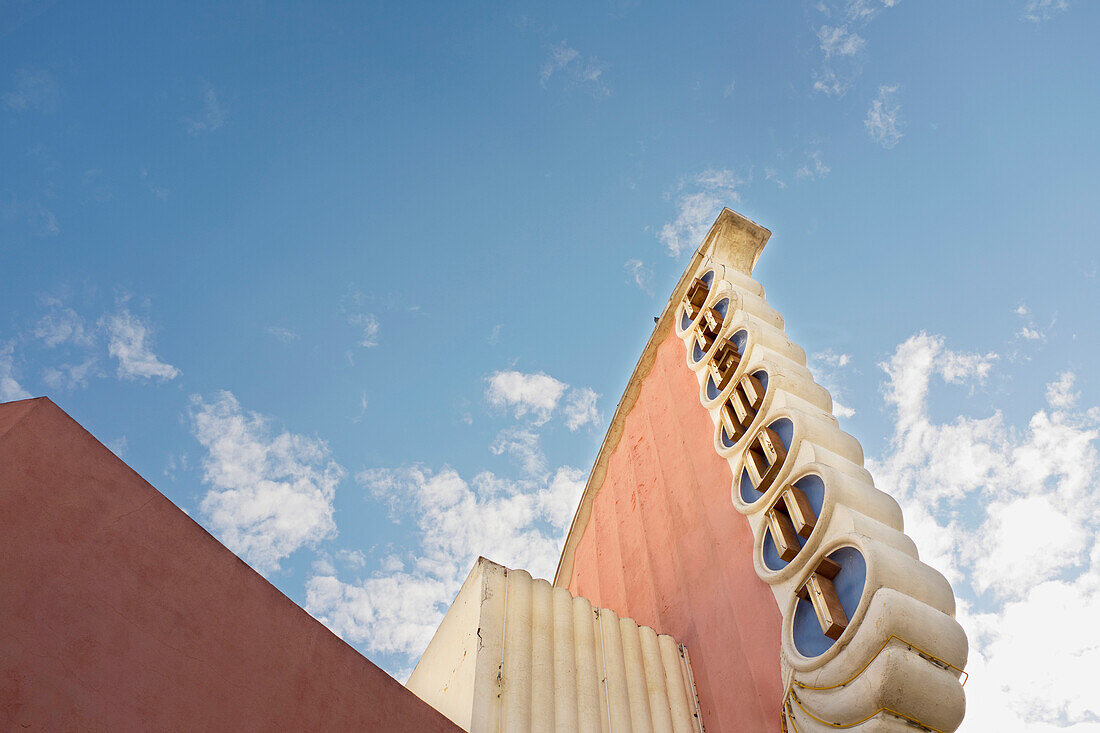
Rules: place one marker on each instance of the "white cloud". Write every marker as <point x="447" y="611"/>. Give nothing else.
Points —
<point x="369" y="323"/>
<point x="10" y="389"/>
<point x="61" y="325"/>
<point x="283" y="334"/>
<point x="1039" y="10"/>
<point x="697" y="206"/>
<point x="212" y="115"/>
<point x="827" y="366"/>
<point x="1060" y="393"/>
<point x="829" y="83"/>
<point x="32" y="90"/>
<point x="833" y="359"/>
<point x="41" y="221"/>
<point x="128" y="340"/>
<point x="397" y="610"/>
<point x="1030" y="334"/>
<point x="839" y="41"/>
<point x="771" y="174"/>
<point x="841" y="45"/>
<point x="270" y="493"/>
<point x="580" y="408"/>
<point x="535" y="394"/>
<point x="883" y="119"/>
<point x="578" y="71"/>
<point x="641" y="274"/>
<point x="864" y="10"/>
<point x="814" y="169"/>
<point x="70" y="376"/>
<point x="1010" y="514"/>
<point x="522" y="444"/>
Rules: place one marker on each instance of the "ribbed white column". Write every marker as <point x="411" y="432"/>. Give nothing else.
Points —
<point x="565" y="663"/>
<point x="636" y="686"/>
<point x="542" y="658"/>
<point x="516" y="677"/>
<point x="591" y="704"/>
<point x="656" y="686"/>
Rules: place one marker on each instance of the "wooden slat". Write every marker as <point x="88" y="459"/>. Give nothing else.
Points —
<point x="783" y="534"/>
<point x="799" y="510"/>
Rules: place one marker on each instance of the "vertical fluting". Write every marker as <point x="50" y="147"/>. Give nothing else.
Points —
<point x="656" y="686"/>
<point x="542" y="658"/>
<point x="591" y="717"/>
<point x="635" y="677"/>
<point x="516" y="680"/>
<point x="683" y="709"/>
<point x="618" y="699"/>
<point x="565" y="663"/>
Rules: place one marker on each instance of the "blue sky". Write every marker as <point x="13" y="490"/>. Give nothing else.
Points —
<point x="358" y="286"/>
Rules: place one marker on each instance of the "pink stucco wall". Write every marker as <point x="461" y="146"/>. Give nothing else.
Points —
<point x="119" y="613"/>
<point x="665" y="547"/>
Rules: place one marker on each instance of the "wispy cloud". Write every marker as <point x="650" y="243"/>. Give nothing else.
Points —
<point x="32" y="90"/>
<point x="1026" y="495"/>
<point x="842" y="48"/>
<point x="61" y="325"/>
<point x="698" y="203"/>
<point x="640" y="274"/>
<point x="271" y="492"/>
<point x="580" y="409"/>
<point x="70" y="376"/>
<point x="397" y="609"/>
<point x="1039" y="10"/>
<point x="839" y="41"/>
<point x="10" y="389"/>
<point x="828" y="370"/>
<point x="283" y="334"/>
<point x="41" y="221"/>
<point x="211" y="116"/>
<point x="814" y="169"/>
<point x="574" y="69"/>
<point x="1028" y="330"/>
<point x="129" y="340"/>
<point x="883" y="119"/>
<point x="525" y="446"/>
<point x="536" y="394"/>
<point x="369" y="327"/>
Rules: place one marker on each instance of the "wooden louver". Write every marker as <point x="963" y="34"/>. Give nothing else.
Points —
<point x="820" y="592"/>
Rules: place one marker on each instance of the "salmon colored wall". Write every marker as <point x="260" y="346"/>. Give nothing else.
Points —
<point x="665" y="547"/>
<point x="117" y="612"/>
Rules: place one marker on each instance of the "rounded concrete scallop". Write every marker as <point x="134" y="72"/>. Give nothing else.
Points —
<point x="900" y="680"/>
<point x="784" y="388"/>
<point x="740" y="280"/>
<point x="891" y="613"/>
<point x="884" y="567"/>
<point x="681" y="323"/>
<point x="764" y="345"/>
<point x="814" y="437"/>
<point x="861" y="508"/>
<point x="725" y="299"/>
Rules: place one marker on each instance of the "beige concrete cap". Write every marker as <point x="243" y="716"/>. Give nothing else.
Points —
<point x="516" y="654"/>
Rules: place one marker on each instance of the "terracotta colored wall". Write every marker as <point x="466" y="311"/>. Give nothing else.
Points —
<point x="118" y="612"/>
<point x="665" y="547"/>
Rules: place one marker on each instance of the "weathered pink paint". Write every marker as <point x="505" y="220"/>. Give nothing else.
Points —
<point x="665" y="546"/>
<point x="118" y="612"/>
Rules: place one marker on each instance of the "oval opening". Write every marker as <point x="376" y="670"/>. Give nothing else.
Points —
<point x="809" y="639"/>
<point x="783" y="428"/>
<point x="814" y="489"/>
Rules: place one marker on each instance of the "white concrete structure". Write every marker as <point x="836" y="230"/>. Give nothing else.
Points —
<point x="869" y="638"/>
<point x="516" y="654"/>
